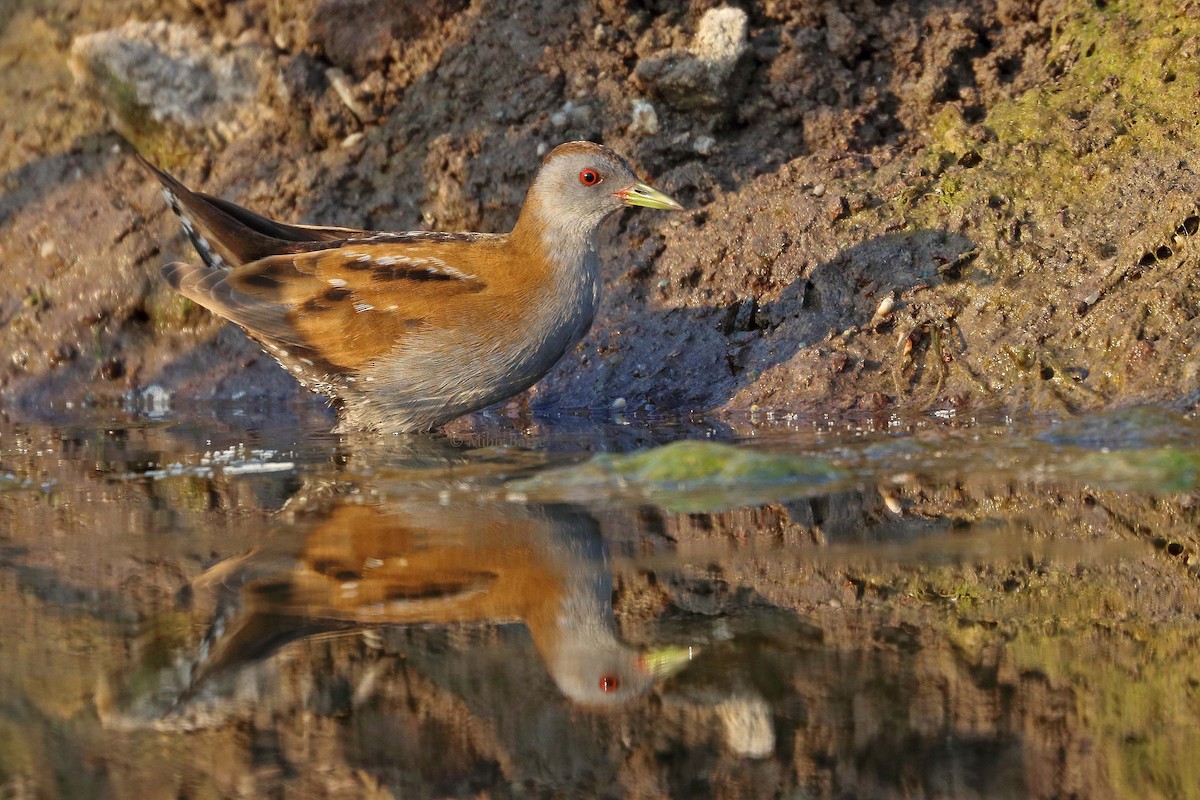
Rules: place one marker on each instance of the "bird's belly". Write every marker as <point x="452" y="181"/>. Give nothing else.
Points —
<point x="439" y="375"/>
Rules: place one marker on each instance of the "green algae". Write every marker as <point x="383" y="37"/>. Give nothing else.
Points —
<point x="1127" y="90"/>
<point x="687" y="475"/>
<point x="1068" y="192"/>
<point x="163" y="144"/>
<point x="1160" y="469"/>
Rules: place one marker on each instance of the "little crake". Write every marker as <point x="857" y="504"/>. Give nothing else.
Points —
<point x="406" y="331"/>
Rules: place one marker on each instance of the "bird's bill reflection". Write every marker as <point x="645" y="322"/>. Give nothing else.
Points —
<point x="420" y="562"/>
<point x="663" y="662"/>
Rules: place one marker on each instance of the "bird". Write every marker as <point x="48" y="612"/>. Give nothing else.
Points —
<point x="420" y="562"/>
<point x="403" y="332"/>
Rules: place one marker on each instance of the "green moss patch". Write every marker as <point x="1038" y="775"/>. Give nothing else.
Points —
<point x="687" y="476"/>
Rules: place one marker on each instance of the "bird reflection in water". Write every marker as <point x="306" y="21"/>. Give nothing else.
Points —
<point x="421" y="562"/>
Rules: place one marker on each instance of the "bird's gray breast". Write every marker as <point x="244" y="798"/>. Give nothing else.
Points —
<point x="437" y="375"/>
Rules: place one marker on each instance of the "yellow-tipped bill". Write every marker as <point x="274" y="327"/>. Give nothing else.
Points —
<point x="661" y="662"/>
<point x="641" y="194"/>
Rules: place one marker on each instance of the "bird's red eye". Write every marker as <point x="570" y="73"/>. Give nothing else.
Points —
<point x="609" y="683"/>
<point x="589" y="177"/>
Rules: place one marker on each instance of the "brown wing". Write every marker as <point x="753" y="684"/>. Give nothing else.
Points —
<point x="350" y="303"/>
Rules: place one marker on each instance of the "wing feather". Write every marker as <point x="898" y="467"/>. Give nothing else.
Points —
<point x="351" y="303"/>
<point x="209" y="287"/>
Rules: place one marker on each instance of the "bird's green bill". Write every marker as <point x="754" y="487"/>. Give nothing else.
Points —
<point x="640" y="194"/>
<point x="665" y="661"/>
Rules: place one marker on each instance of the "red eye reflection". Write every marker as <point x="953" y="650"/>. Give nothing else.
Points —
<point x="589" y="177"/>
<point x="609" y="683"/>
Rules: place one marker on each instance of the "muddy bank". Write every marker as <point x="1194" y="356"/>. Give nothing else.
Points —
<point x="1011" y="178"/>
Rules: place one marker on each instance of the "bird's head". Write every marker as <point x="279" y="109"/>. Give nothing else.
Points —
<point x="581" y="183"/>
<point x="614" y="674"/>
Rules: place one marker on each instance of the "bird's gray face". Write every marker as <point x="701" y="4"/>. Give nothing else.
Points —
<point x="612" y="673"/>
<point x="584" y="182"/>
<point x="602" y="679"/>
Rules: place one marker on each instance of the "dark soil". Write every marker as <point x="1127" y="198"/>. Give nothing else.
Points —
<point x="1004" y="171"/>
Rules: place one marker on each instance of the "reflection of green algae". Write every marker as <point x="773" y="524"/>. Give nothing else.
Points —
<point x="1131" y="680"/>
<point x="688" y="475"/>
<point x="19" y="752"/>
<point x="1133" y="683"/>
<point x="1139" y="700"/>
<point x="187" y="492"/>
<point x="1161" y="469"/>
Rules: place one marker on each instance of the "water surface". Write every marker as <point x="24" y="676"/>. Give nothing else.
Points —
<point x="212" y="604"/>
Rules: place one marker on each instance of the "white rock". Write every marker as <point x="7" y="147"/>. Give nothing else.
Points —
<point x="644" y="119"/>
<point x="699" y="76"/>
<point x="171" y="73"/>
<point x="749" y="731"/>
<point x="721" y="36"/>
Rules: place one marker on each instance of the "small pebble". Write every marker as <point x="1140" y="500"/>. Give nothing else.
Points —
<point x="47" y="249"/>
<point x="619" y="404"/>
<point x="704" y="145"/>
<point x="884" y="312"/>
<point x="353" y="139"/>
<point x="644" y="119"/>
<point x="818" y="190"/>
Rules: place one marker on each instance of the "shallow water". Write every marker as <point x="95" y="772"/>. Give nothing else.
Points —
<point x="218" y="604"/>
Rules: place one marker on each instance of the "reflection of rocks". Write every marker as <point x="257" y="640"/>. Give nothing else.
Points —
<point x="748" y="728"/>
<point x="157" y="74"/>
<point x="699" y="77"/>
